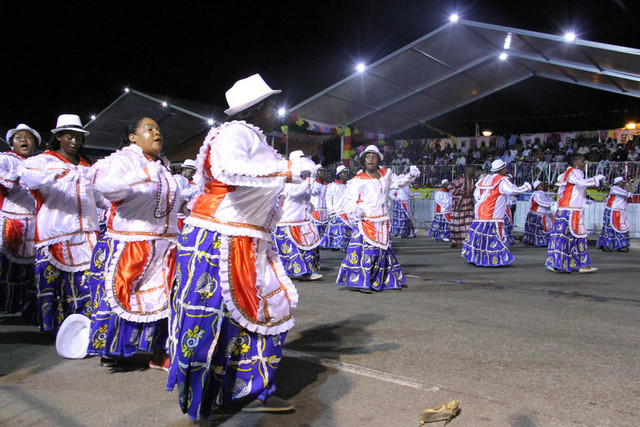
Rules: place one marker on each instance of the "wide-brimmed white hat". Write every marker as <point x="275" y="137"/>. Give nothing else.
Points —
<point x="73" y="337"/>
<point x="20" y="127"/>
<point x="318" y="167"/>
<point x="246" y="93"/>
<point x="340" y="169"/>
<point x="69" y="122"/>
<point x="443" y="182"/>
<point x="536" y="183"/>
<point x="189" y="164"/>
<point x="372" y="149"/>
<point x="497" y="165"/>
<point x="619" y="179"/>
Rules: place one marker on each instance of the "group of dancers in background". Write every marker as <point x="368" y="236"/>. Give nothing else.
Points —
<point x="490" y="233"/>
<point x="196" y="269"/>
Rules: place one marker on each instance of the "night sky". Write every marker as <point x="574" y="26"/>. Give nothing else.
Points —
<point x="76" y="57"/>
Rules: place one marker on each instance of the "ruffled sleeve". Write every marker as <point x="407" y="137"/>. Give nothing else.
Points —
<point x="8" y="172"/>
<point x="39" y="171"/>
<point x="117" y="175"/>
<point x="240" y="156"/>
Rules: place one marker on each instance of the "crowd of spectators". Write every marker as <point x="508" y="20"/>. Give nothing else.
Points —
<point x="510" y="148"/>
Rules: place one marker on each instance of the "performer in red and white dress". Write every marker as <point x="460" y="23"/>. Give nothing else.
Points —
<point x="188" y="188"/>
<point x="320" y="215"/>
<point x="296" y="238"/>
<point x="60" y="180"/>
<point x="442" y="218"/>
<point x="538" y="223"/>
<point x="485" y="245"/>
<point x="233" y="300"/>
<point x="18" y="222"/>
<point x="133" y="265"/>
<point x="568" y="240"/>
<point x="615" y="228"/>
<point x="370" y="263"/>
<point x="401" y="223"/>
<point x="338" y="231"/>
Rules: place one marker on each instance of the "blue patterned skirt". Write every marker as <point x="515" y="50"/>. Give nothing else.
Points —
<point x="439" y="228"/>
<point x="59" y="293"/>
<point x="369" y="267"/>
<point x="484" y="247"/>
<point x="296" y="261"/>
<point x="110" y="334"/>
<point x="17" y="289"/>
<point x="566" y="252"/>
<point x="321" y="226"/>
<point x="534" y="233"/>
<point x="401" y="224"/>
<point x="508" y="231"/>
<point x="214" y="360"/>
<point x="337" y="235"/>
<point x="610" y="238"/>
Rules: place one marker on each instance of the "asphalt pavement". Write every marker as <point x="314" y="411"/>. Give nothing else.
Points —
<point x="517" y="345"/>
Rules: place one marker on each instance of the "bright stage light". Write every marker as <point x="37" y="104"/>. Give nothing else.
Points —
<point x="631" y="125"/>
<point x="570" y="37"/>
<point x="503" y="56"/>
<point x="361" y="67"/>
<point x="454" y="17"/>
<point x="93" y="117"/>
<point x="507" y="41"/>
<point x="210" y="121"/>
<point x="486" y="132"/>
<point x="281" y="112"/>
<point x="126" y="89"/>
<point x="164" y="103"/>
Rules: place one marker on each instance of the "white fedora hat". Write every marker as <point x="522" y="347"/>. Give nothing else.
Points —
<point x="443" y="182"/>
<point x="246" y="93"/>
<point x="340" y="169"/>
<point x="73" y="337"/>
<point x="536" y="183"/>
<point x="189" y="164"/>
<point x="372" y="149"/>
<point x="497" y="165"/>
<point x="69" y="122"/>
<point x="619" y="179"/>
<point x="20" y="127"/>
<point x="319" y="166"/>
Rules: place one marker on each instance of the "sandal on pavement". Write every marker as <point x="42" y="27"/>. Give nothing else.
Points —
<point x="271" y="404"/>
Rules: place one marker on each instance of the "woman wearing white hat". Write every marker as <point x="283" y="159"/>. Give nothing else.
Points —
<point x="66" y="222"/>
<point x="319" y="216"/>
<point x="233" y="299"/>
<point x="485" y="244"/>
<point x="18" y="221"/>
<point x="370" y="263"/>
<point x="538" y="223"/>
<point x="442" y="219"/>
<point x="614" y="235"/>
<point x="188" y="187"/>
<point x="296" y="237"/>
<point x="567" y="248"/>
<point x="339" y="229"/>
<point x="133" y="265"/>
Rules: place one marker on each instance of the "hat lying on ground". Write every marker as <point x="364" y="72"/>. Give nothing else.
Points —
<point x="73" y="337"/>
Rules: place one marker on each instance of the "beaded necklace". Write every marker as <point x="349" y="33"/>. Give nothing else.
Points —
<point x="171" y="186"/>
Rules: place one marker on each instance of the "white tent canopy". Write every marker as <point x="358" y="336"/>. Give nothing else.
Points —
<point x="460" y="63"/>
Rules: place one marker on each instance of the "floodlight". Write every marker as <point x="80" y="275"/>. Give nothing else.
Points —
<point x="281" y="112"/>
<point x="361" y="67"/>
<point x="570" y="37"/>
<point x="164" y="103"/>
<point x="454" y="17"/>
<point x="210" y="121"/>
<point x="503" y="56"/>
